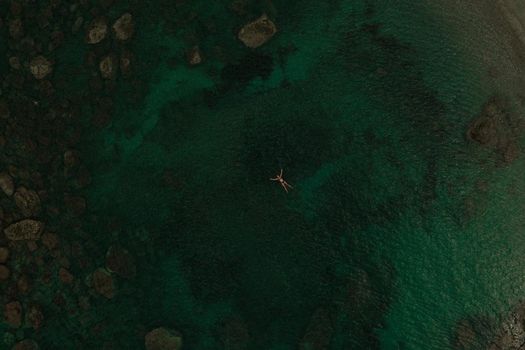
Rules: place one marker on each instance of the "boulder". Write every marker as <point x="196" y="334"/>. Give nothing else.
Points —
<point x="103" y="283"/>
<point x="108" y="66"/>
<point x="16" y="28"/>
<point x="49" y="240"/>
<point x="65" y="276"/>
<point x="7" y="184"/>
<point x="23" y="285"/>
<point x="27" y="201"/>
<point x="163" y="339"/>
<point x="35" y="316"/>
<point x="194" y="56"/>
<point x="258" y="32"/>
<point x="4" y="273"/>
<point x="26" y="344"/>
<point x="4" y="254"/>
<point x="13" y="314"/>
<point x="27" y="229"/>
<point x="121" y="262"/>
<point x="40" y="67"/>
<point x="124" y="27"/>
<point x="97" y="31"/>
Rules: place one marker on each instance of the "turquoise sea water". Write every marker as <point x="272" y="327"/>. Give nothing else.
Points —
<point x="365" y="106"/>
<point x="397" y="227"/>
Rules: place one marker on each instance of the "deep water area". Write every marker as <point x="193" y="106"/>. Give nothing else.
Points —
<point x="135" y="162"/>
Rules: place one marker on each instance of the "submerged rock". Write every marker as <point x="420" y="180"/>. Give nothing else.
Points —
<point x="465" y="336"/>
<point x="71" y="158"/>
<point x="4" y="273"/>
<point x="194" y="56"/>
<point x="49" y="240"/>
<point x="7" y="184"/>
<point x="495" y="129"/>
<point x="103" y="283"/>
<point x="26" y="344"/>
<point x="40" y="67"/>
<point x="125" y="62"/>
<point x="16" y="28"/>
<point x="77" y="24"/>
<point x="258" y="32"/>
<point x="27" y="229"/>
<point x="23" y="285"/>
<point x="35" y="316"/>
<point x="14" y="62"/>
<point x="4" y="254"/>
<point x="108" y="66"/>
<point x="512" y="332"/>
<point x="13" y="314"/>
<point x="124" y="27"/>
<point x="65" y="276"/>
<point x="121" y="262"/>
<point x="27" y="201"/>
<point x="163" y="339"/>
<point x="97" y="31"/>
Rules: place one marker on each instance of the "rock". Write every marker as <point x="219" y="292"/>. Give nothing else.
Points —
<point x="4" y="254"/>
<point x="97" y="31"/>
<point x="13" y="314"/>
<point x="23" y="285"/>
<point x="4" y="273"/>
<point x="27" y="229"/>
<point x="49" y="240"/>
<point x="7" y="184"/>
<point x="57" y="39"/>
<point x="35" y="317"/>
<point x="65" y="276"/>
<point x="14" y="62"/>
<point x="27" y="201"/>
<point x="465" y="336"/>
<point x="121" y="262"/>
<point x="16" y="29"/>
<point x="103" y="283"/>
<point x="26" y="344"/>
<point x="125" y="62"/>
<point x="123" y="28"/>
<point x="77" y="24"/>
<point x="108" y="66"/>
<point x="258" y="32"/>
<point x="163" y="339"/>
<point x="319" y="331"/>
<point x="40" y="67"/>
<point x="194" y="56"/>
<point x="512" y="331"/>
<point x="71" y="158"/>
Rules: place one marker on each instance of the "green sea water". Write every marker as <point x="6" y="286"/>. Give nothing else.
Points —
<point x="364" y="105"/>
